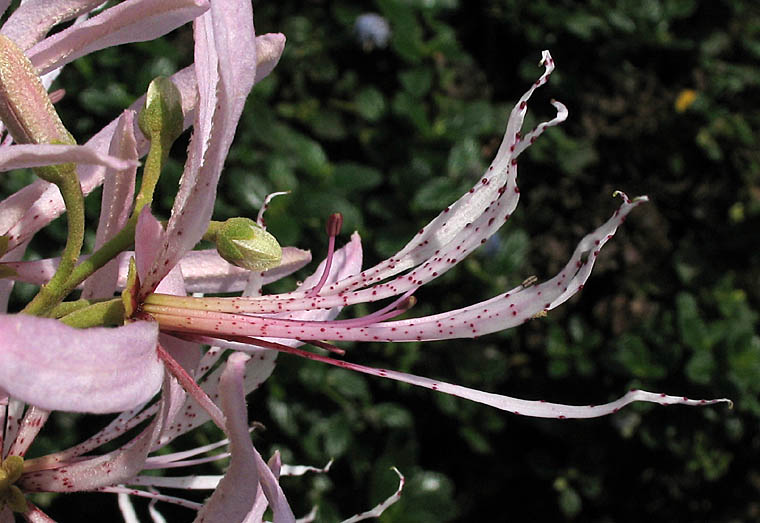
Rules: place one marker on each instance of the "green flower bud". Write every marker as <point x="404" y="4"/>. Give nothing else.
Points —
<point x="243" y="242"/>
<point x="161" y="116"/>
<point x="25" y="107"/>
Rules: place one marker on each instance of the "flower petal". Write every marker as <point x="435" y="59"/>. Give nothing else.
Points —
<point x="378" y="510"/>
<point x="27" y="211"/>
<point x="225" y="61"/>
<point x="134" y="21"/>
<point x="115" y="467"/>
<point x="498" y="185"/>
<point x="116" y="205"/>
<point x="236" y="493"/>
<point x="347" y="261"/>
<point x="33" y="515"/>
<point x="147" y="241"/>
<point x="207" y="272"/>
<point x="34" y="18"/>
<point x="449" y="238"/>
<point x="269" y="49"/>
<point x="532" y="408"/>
<point x="499" y="313"/>
<point x="33" y="421"/>
<point x="6" y="285"/>
<point x="34" y="155"/>
<point x="57" y="367"/>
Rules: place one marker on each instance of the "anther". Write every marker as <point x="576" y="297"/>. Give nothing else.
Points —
<point x="334" y="224"/>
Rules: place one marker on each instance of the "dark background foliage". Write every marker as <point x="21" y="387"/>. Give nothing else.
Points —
<point x="663" y="98"/>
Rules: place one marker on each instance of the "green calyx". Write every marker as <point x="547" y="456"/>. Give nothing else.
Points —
<point x="243" y="242"/>
<point x="10" y="494"/>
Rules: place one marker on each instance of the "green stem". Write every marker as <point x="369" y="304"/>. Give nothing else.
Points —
<point x="154" y="163"/>
<point x="123" y="240"/>
<point x="161" y="121"/>
<point x="213" y="229"/>
<point x="66" y="179"/>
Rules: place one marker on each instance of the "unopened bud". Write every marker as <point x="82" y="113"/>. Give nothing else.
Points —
<point x="161" y="116"/>
<point x="25" y="107"/>
<point x="243" y="242"/>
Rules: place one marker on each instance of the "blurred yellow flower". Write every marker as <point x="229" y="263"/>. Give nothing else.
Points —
<point x="684" y="100"/>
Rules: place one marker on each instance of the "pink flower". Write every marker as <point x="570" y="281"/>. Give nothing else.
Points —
<point x="51" y="366"/>
<point x="250" y="322"/>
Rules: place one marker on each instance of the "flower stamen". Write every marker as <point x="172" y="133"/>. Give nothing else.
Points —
<point x="334" y="223"/>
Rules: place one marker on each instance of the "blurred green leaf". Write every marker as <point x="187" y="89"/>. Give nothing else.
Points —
<point x="370" y="103"/>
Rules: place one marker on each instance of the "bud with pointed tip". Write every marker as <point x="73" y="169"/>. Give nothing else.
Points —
<point x="243" y="242"/>
<point x="25" y="107"/>
<point x="162" y="113"/>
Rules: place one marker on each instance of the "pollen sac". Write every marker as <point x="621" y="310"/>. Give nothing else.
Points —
<point x="25" y="108"/>
<point x="10" y="495"/>
<point x="243" y="242"/>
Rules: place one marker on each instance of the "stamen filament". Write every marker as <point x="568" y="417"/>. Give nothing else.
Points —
<point x="334" y="223"/>
<point x="327" y="346"/>
<point x="399" y="306"/>
<point x="191" y="387"/>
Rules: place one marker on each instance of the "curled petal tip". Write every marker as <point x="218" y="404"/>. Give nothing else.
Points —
<point x="637" y="199"/>
<point x="561" y="108"/>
